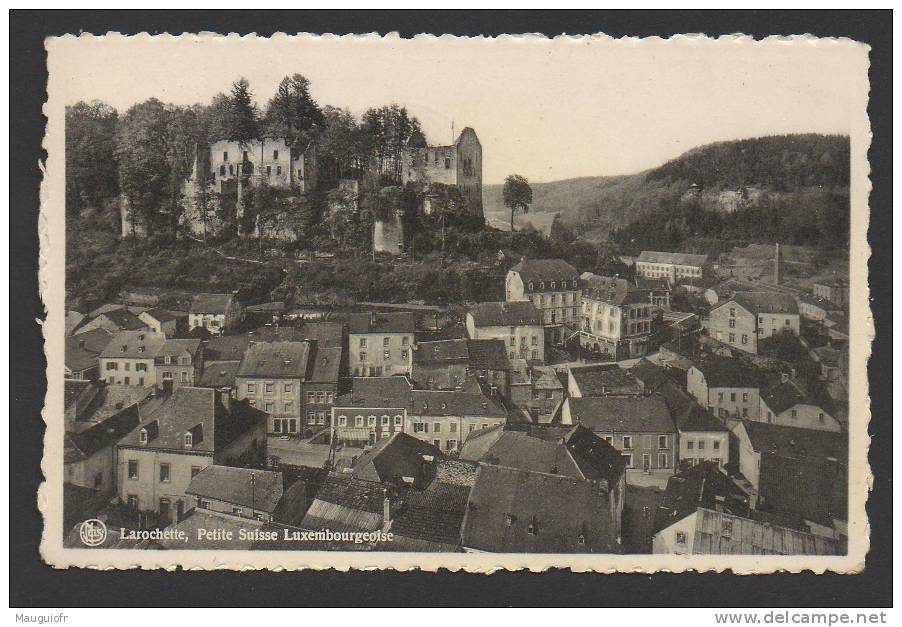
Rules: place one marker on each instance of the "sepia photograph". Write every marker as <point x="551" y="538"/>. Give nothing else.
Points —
<point x="519" y="302"/>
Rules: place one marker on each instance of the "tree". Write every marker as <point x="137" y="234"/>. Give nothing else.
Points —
<point x="91" y="168"/>
<point x="243" y="125"/>
<point x="517" y="195"/>
<point x="292" y="113"/>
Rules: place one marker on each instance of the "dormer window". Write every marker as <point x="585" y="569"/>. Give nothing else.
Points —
<point x="123" y="348"/>
<point x="533" y="527"/>
<point x="531" y="286"/>
<point x="444" y="405"/>
<point x="552" y="285"/>
<point x="189" y="440"/>
<point x="140" y="349"/>
<point x="142" y="436"/>
<point x="541" y="285"/>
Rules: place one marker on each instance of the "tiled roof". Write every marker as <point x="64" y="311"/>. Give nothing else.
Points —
<point x="547" y="270"/>
<point x="211" y="303"/>
<point x="275" y="359"/>
<point x="326" y="333"/>
<point x="247" y="487"/>
<point x="648" y="414"/>
<point x="679" y="259"/>
<point x="134" y="345"/>
<point x="752" y="537"/>
<point x="652" y="284"/>
<point x="394" y="458"/>
<point x="218" y="374"/>
<point x="688" y="415"/>
<point x="195" y="410"/>
<point x="797" y="443"/>
<point x="82" y="350"/>
<point x="72" y="389"/>
<point x="325" y="364"/>
<point x="728" y="372"/>
<point x="545" y="378"/>
<point x="702" y="485"/>
<point x="346" y="503"/>
<point x="434" y="514"/>
<point x="163" y="315"/>
<point x="605" y="379"/>
<point x="651" y="375"/>
<point x="376" y="392"/>
<point x="442" y="351"/>
<point x="397" y="322"/>
<point x="124" y="319"/>
<point x="784" y="395"/>
<point x="613" y="291"/>
<point x="83" y="444"/>
<point x="226" y="347"/>
<point x="453" y="403"/>
<point x="174" y="348"/>
<point x="477" y="443"/>
<point x="505" y="314"/>
<point x="488" y="355"/>
<point x="110" y="400"/>
<point x="516" y="511"/>
<point x="765" y="302"/>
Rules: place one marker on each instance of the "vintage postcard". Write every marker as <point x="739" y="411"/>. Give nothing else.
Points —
<point x="365" y="302"/>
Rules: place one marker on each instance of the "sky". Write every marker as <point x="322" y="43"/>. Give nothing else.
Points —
<point x="545" y="109"/>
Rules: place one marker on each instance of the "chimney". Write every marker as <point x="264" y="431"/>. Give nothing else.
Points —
<point x="778" y="266"/>
<point x="225" y="397"/>
<point x="373" y="316"/>
<point x="386" y="507"/>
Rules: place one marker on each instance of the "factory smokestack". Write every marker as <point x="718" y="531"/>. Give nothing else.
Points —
<point x="778" y="266"/>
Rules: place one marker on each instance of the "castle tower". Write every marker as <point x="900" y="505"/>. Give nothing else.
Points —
<point x="778" y="266"/>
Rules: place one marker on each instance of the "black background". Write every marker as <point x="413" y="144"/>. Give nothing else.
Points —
<point x="34" y="584"/>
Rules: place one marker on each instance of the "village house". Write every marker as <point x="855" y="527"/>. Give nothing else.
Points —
<point x="518" y="324"/>
<point x="446" y="418"/>
<point x="190" y="430"/>
<point x="801" y="473"/>
<point x="511" y="510"/>
<point x="792" y="402"/>
<point x="835" y="290"/>
<point x="538" y="391"/>
<point x="817" y="309"/>
<point x="658" y="291"/>
<point x="616" y="320"/>
<point x="148" y="359"/>
<point x="399" y="460"/>
<point x="552" y="285"/>
<point x="82" y="354"/>
<point x="219" y="375"/>
<point x="726" y="386"/>
<point x="375" y="408"/>
<point x="675" y="267"/>
<point x="242" y="492"/>
<point x="446" y="364"/>
<point x="702" y="436"/>
<point x="640" y="427"/>
<point x="380" y="343"/>
<point x="602" y="380"/>
<point x="169" y="323"/>
<point x="295" y="383"/>
<point x="214" y="312"/>
<point x="748" y="317"/>
<point x="113" y="321"/>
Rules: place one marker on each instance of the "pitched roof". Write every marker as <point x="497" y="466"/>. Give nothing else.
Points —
<point x="688" y="415"/>
<point x="729" y="372"/>
<point x="434" y="515"/>
<point x="517" y="511"/>
<point x="453" y="403"/>
<point x="765" y="302"/>
<point x="653" y="284"/>
<point x="395" y="322"/>
<point x="82" y="350"/>
<point x="72" y="389"/>
<point x="346" y="503"/>
<point x="477" y="443"/>
<point x="327" y="333"/>
<point x="545" y="378"/>
<point x="226" y="347"/>
<point x="274" y="306"/>
<point x="648" y="414"/>
<point x="73" y="320"/>
<point x="783" y="395"/>
<point x="83" y="444"/>
<point x="604" y="379"/>
<point x="441" y="351"/>
<point x="124" y="319"/>
<point x="719" y="533"/>
<point x="211" y="303"/>
<point x="218" y="374"/>
<point x="505" y="314"/>
<point x="396" y="457"/>
<point x="195" y="410"/>
<point x="650" y="374"/>
<point x="702" y="485"/>
<point x="376" y="392"/>
<point x="248" y="487"/>
<point x="536" y="270"/>
<point x="174" y="348"/>
<point x="275" y="359"/>
<point x="797" y="443"/>
<point x="325" y="364"/>
<point x="612" y="290"/>
<point x="134" y="345"/>
<point x="679" y="259"/>
<point x="162" y="315"/>
<point x="488" y="355"/>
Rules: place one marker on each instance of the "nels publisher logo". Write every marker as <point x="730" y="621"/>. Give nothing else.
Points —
<point x="92" y="532"/>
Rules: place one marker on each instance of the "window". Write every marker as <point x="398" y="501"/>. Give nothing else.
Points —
<point x="275" y="155"/>
<point x="385" y="421"/>
<point x="330" y="397"/>
<point x="398" y="420"/>
<point x="269" y="407"/>
<point x="732" y="337"/>
<point x="745" y="338"/>
<point x="662" y="442"/>
<point x="404" y="354"/>
<point x="681" y="537"/>
<point x="251" y="388"/>
<point x="289" y="406"/>
<point x="627" y="442"/>
<point x="133" y="469"/>
<point x="690" y="444"/>
<point x="311" y="398"/>
<point x="795" y="414"/>
<point x="609" y="439"/>
<point x="405" y="341"/>
<point x="270" y="388"/>
<point x="189" y="440"/>
<point x="222" y="170"/>
<point x="386" y="355"/>
<point x="662" y="460"/>
<point x="164" y="473"/>
<point x="236" y="511"/>
<point x="451" y="445"/>
<point x="419" y="427"/>
<point x="311" y="417"/>
<point x="386" y="341"/>
<point x="288" y="388"/>
<point x="732" y="397"/>
<point x="447" y="163"/>
<point x="225" y="156"/>
<point x="745" y="397"/>
<point x="720" y="397"/>
<point x="142" y="436"/>
<point x="701" y="445"/>
<point x="732" y="312"/>
<point x="127" y="381"/>
<point x="820" y="418"/>
<point x="358" y="421"/>
<point x="371" y="421"/>
<point x="362" y="356"/>
<point x="716" y="445"/>
<point x="628" y="458"/>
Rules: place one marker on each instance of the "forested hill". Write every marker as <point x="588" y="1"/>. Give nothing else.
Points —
<point x="791" y="188"/>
